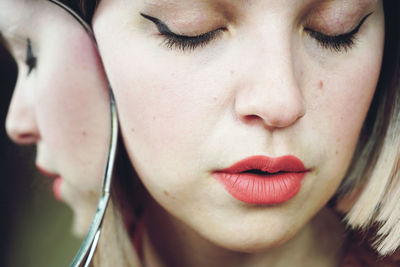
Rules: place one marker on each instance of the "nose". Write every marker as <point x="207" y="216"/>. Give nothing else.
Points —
<point x="21" y="125"/>
<point x="269" y="90"/>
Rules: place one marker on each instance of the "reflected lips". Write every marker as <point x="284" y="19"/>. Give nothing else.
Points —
<point x="57" y="182"/>
<point x="262" y="180"/>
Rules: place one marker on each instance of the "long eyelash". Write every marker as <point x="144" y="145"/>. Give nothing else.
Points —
<point x="182" y="42"/>
<point x="189" y="43"/>
<point x="337" y="43"/>
<point x="30" y="58"/>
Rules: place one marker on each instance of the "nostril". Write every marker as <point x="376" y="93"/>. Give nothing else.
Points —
<point x="251" y="118"/>
<point x="21" y="124"/>
<point x="268" y="109"/>
<point x="21" y="135"/>
<point x="27" y="139"/>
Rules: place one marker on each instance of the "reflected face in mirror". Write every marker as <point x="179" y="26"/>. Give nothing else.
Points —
<point x="203" y="85"/>
<point x="60" y="101"/>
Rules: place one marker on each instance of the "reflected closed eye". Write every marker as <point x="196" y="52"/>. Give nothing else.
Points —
<point x="183" y="42"/>
<point x="337" y="43"/>
<point x="30" y="58"/>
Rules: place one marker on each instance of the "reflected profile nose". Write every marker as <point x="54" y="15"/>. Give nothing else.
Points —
<point x="270" y="93"/>
<point x="21" y="125"/>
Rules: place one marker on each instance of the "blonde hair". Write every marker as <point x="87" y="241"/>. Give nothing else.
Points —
<point x="375" y="170"/>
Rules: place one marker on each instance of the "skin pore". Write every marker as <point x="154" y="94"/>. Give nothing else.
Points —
<point x="201" y="85"/>
<point x="60" y="102"/>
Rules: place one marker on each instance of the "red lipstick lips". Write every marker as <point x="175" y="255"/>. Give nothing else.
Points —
<point x="57" y="182"/>
<point x="262" y="180"/>
<point x="46" y="173"/>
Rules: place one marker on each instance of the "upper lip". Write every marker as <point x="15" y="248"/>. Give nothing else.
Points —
<point x="46" y="172"/>
<point x="287" y="163"/>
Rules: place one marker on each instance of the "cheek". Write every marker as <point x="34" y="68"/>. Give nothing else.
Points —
<point x="164" y="107"/>
<point x="152" y="109"/>
<point x="343" y="86"/>
<point x="350" y="105"/>
<point x="338" y="105"/>
<point x="73" y="109"/>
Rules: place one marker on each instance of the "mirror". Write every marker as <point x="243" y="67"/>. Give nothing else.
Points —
<point x="60" y="111"/>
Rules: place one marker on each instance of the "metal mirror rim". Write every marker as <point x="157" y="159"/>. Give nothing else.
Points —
<point x="85" y="253"/>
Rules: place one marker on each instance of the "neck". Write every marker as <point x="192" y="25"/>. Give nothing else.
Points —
<point x="169" y="242"/>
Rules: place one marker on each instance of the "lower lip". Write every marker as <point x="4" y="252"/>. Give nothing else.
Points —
<point x="262" y="190"/>
<point x="57" y="188"/>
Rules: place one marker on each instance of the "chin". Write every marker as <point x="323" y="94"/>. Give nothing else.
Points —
<point x="252" y="242"/>
<point x="80" y="225"/>
<point x="252" y="247"/>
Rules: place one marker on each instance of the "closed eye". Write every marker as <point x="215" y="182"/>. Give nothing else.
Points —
<point x="339" y="42"/>
<point x="30" y="60"/>
<point x="183" y="42"/>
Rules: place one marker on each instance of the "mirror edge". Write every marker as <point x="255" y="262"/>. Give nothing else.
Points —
<point x="88" y="247"/>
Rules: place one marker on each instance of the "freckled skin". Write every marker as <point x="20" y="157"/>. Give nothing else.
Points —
<point x="264" y="71"/>
<point x="320" y="84"/>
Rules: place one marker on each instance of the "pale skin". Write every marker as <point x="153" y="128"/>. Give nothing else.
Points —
<point x="264" y="86"/>
<point x="60" y="103"/>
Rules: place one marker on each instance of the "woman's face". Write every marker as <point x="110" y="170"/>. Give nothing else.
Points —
<point x="262" y="78"/>
<point x="60" y="102"/>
